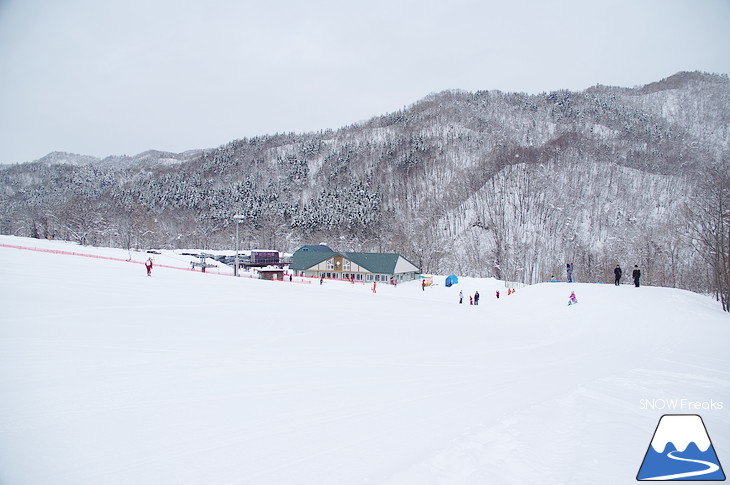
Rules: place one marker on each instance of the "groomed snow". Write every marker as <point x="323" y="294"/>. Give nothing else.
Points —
<point x="108" y="376"/>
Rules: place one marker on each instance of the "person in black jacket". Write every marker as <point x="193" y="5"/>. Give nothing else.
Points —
<point x="636" y="275"/>
<point x="617" y="273"/>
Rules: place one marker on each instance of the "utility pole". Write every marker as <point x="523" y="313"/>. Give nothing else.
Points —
<point x="238" y="218"/>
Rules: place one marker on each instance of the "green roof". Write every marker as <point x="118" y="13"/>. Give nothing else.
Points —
<point x="380" y="263"/>
<point x="302" y="260"/>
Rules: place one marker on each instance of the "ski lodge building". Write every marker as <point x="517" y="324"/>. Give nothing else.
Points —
<point x="322" y="262"/>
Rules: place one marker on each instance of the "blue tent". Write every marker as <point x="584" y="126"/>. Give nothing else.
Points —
<point x="451" y="280"/>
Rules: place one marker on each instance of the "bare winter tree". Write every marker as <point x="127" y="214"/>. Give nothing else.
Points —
<point x="709" y="213"/>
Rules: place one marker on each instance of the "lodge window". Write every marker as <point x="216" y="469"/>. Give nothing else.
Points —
<point x="345" y="265"/>
<point x="330" y="264"/>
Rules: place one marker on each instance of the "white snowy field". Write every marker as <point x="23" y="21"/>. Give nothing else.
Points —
<point x="108" y="376"/>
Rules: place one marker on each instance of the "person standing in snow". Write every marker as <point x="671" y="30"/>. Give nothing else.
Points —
<point x="497" y="294"/>
<point x="618" y="273"/>
<point x="148" y="265"/>
<point x="461" y="296"/>
<point x="636" y="275"/>
<point x="476" y="298"/>
<point x="569" y="270"/>
<point x="423" y="285"/>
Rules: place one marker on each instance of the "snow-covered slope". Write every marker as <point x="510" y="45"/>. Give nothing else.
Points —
<point x="108" y="376"/>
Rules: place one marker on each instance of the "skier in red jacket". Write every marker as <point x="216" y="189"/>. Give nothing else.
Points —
<point x="148" y="265"/>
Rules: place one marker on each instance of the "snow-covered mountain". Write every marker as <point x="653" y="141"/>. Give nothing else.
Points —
<point x="483" y="183"/>
<point x="150" y="158"/>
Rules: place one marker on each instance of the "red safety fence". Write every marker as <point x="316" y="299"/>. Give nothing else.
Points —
<point x="122" y="260"/>
<point x="300" y="281"/>
<point x="87" y="255"/>
<point x="347" y="280"/>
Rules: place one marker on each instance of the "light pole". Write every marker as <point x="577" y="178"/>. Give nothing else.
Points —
<point x="238" y="218"/>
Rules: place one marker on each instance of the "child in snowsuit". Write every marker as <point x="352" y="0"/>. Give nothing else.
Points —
<point x="572" y="300"/>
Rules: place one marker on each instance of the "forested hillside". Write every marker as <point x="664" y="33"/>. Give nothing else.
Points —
<point x="485" y="184"/>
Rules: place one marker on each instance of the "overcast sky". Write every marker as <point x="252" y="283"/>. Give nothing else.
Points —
<point x="114" y="77"/>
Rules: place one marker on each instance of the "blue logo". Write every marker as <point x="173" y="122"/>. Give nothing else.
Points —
<point x="681" y="450"/>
